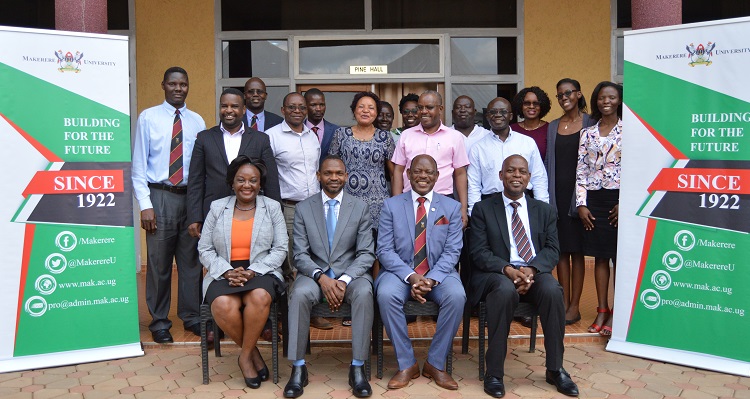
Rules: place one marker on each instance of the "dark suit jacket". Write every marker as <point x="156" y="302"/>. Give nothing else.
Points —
<point x="489" y="240"/>
<point x="328" y="130"/>
<point x="207" y="180"/>
<point x="271" y="120"/>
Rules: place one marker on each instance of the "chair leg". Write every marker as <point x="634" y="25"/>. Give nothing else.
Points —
<point x="275" y="341"/>
<point x="379" y="338"/>
<point x="204" y="317"/>
<point x="482" y="325"/>
<point x="449" y="362"/>
<point x="532" y="343"/>
<point x="466" y="329"/>
<point x="217" y="340"/>
<point x="285" y="324"/>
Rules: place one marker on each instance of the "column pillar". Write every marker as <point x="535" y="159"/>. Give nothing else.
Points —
<point x="81" y="15"/>
<point x="653" y="13"/>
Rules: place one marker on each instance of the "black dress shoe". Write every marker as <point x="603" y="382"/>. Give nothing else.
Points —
<point x="297" y="381"/>
<point x="494" y="386"/>
<point x="524" y="320"/>
<point x="263" y="373"/>
<point x="162" y="337"/>
<point x="358" y="381"/>
<point x="253" y="382"/>
<point x="561" y="380"/>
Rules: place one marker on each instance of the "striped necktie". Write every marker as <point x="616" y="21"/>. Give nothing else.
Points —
<point x="519" y="234"/>
<point x="420" y="240"/>
<point x="175" y="153"/>
<point x="254" y="122"/>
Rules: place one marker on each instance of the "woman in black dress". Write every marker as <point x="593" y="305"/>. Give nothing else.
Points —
<point x="562" y="159"/>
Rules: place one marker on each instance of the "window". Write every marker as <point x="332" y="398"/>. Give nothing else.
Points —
<point x="242" y="15"/>
<point x="399" y="14"/>
<point x="483" y="55"/>
<point x="400" y="56"/>
<point x="246" y="58"/>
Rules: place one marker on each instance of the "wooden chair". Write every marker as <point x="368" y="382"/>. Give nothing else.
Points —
<point x="277" y="306"/>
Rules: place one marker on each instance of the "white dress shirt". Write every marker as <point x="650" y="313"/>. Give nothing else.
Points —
<point x="297" y="156"/>
<point x="523" y="213"/>
<point x="474" y="136"/>
<point x="486" y="161"/>
<point x="153" y="140"/>
<point x="232" y="141"/>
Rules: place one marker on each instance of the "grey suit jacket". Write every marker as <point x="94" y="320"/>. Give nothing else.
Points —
<point x="353" y="247"/>
<point x="268" y="247"/>
<point x="208" y="169"/>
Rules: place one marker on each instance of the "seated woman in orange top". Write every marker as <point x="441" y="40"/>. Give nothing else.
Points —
<point x="242" y="245"/>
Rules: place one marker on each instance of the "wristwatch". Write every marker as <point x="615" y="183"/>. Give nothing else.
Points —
<point x="316" y="275"/>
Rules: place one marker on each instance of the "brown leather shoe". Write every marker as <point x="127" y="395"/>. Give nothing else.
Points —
<point x="442" y="379"/>
<point x="320" y="323"/>
<point x="402" y="377"/>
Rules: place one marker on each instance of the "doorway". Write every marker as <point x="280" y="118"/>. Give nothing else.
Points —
<point x="339" y="97"/>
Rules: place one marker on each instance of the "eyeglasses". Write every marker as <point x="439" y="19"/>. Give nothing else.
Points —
<point x="293" y="108"/>
<point x="255" y="91"/>
<point x="534" y="104"/>
<point x="566" y="93"/>
<point x="494" y="111"/>
<point x="410" y="111"/>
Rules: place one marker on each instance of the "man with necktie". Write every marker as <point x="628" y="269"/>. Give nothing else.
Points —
<point x="514" y="247"/>
<point x="333" y="252"/>
<point x="256" y="117"/>
<point x="419" y="242"/>
<point x="316" y="110"/>
<point x="164" y="139"/>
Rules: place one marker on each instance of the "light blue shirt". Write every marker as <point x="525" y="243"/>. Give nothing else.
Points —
<point x="261" y="123"/>
<point x="337" y="208"/>
<point x="153" y="138"/>
<point x="486" y="160"/>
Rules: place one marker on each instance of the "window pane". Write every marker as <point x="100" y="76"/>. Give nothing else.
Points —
<point x="28" y="14"/>
<point x="701" y="10"/>
<point x="620" y="54"/>
<point x="398" y="14"/>
<point x="292" y="14"/>
<point x="246" y="58"/>
<point x="482" y="94"/>
<point x="401" y="56"/>
<point x="117" y="15"/>
<point x="483" y="56"/>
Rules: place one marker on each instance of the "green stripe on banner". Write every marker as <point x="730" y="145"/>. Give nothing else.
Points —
<point x="707" y="125"/>
<point x="93" y="132"/>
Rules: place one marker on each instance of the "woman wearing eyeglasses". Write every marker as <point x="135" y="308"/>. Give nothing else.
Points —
<point x="563" y="137"/>
<point x="533" y="104"/>
<point x="598" y="192"/>
<point x="407" y="107"/>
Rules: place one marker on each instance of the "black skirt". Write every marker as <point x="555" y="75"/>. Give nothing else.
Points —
<point x="601" y="242"/>
<point x="268" y="282"/>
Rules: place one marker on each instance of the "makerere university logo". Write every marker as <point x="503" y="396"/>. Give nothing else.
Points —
<point x="700" y="55"/>
<point x="67" y="61"/>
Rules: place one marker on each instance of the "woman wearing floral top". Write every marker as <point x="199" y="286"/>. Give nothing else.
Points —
<point x="598" y="192"/>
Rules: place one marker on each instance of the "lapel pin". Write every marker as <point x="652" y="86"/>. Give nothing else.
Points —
<point x="432" y="209"/>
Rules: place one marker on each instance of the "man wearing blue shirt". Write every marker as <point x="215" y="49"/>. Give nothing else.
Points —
<point x="164" y="139"/>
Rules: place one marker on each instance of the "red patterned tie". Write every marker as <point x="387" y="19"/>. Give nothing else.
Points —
<point x="519" y="234"/>
<point x="420" y="242"/>
<point x="175" y="154"/>
<point x="254" y="123"/>
<point x="315" y="130"/>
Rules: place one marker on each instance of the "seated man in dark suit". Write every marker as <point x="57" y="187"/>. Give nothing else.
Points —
<point x="333" y="253"/>
<point x="419" y="242"/>
<point x="514" y="247"/>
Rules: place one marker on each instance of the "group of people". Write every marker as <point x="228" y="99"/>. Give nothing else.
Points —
<point x="293" y="204"/>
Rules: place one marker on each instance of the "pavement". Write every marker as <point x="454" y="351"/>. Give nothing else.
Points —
<point x="174" y="371"/>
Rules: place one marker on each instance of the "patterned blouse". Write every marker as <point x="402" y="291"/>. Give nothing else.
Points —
<point x="599" y="161"/>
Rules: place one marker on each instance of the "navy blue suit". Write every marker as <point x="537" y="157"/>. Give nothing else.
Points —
<point x="396" y="254"/>
<point x="328" y="130"/>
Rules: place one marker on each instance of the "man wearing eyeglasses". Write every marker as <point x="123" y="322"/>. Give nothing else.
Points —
<point x="297" y="152"/>
<point x="442" y="143"/>
<point x="255" y="101"/>
<point x="487" y="156"/>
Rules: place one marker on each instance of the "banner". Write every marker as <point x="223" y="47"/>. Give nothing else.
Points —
<point x="683" y="270"/>
<point x="68" y="282"/>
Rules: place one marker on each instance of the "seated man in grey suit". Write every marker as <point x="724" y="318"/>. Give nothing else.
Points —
<point x="514" y="247"/>
<point x="333" y="252"/>
<point x="419" y="242"/>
